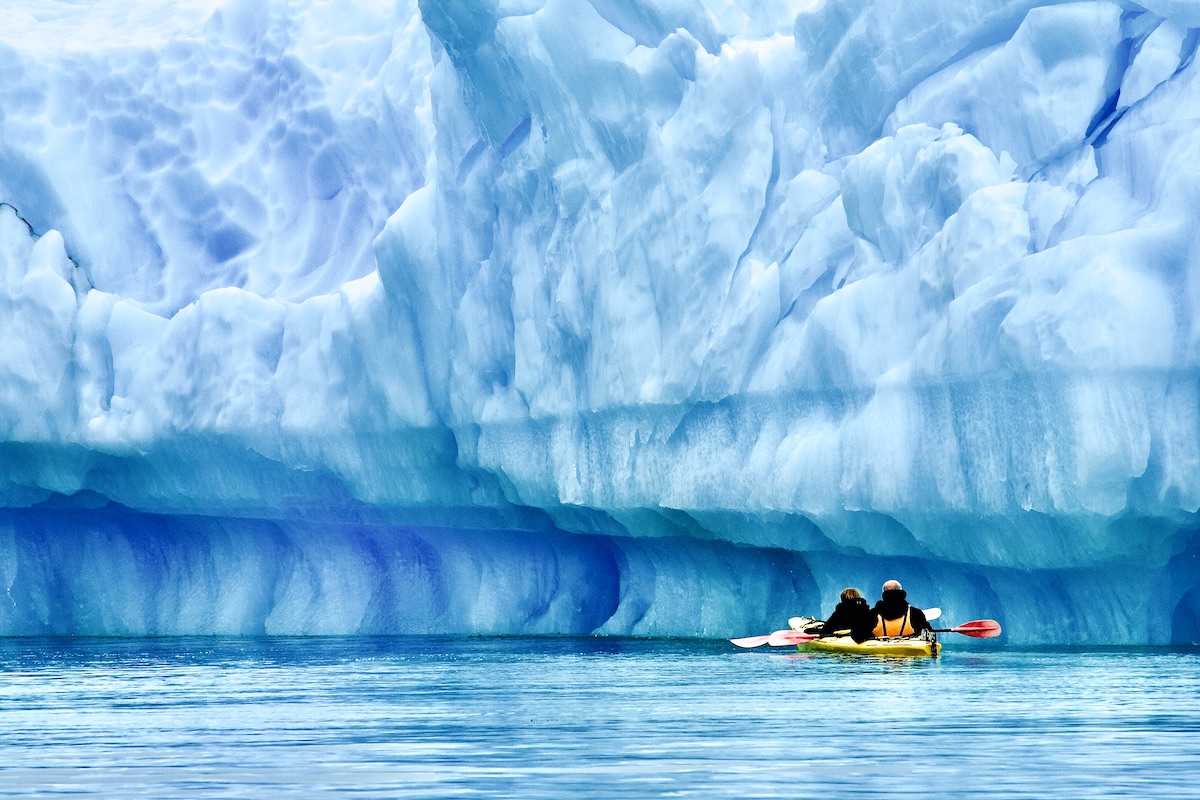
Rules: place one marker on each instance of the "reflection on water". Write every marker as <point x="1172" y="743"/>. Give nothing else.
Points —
<point x="595" y="718"/>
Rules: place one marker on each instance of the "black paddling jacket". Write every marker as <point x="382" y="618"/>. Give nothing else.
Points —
<point x="853" y="614"/>
<point x="894" y="606"/>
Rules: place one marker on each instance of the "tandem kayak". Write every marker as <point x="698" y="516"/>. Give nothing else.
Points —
<point x="904" y="646"/>
<point x="872" y="647"/>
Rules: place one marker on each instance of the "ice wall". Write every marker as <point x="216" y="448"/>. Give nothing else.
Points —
<point x="751" y="302"/>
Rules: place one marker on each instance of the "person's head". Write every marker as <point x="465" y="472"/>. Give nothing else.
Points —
<point x="891" y="586"/>
<point x="850" y="594"/>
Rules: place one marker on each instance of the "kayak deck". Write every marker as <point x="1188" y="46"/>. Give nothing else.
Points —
<point x="906" y="646"/>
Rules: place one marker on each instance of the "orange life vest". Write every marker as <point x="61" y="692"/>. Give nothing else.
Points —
<point x="901" y="626"/>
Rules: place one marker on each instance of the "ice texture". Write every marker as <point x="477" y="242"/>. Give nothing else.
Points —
<point x="665" y="317"/>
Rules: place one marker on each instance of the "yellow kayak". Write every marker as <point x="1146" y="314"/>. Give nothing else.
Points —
<point x="894" y="646"/>
<point x="891" y="646"/>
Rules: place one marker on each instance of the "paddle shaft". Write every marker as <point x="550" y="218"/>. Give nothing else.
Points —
<point x="979" y="628"/>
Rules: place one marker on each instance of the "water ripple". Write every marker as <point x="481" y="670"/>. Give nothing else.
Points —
<point x="560" y="718"/>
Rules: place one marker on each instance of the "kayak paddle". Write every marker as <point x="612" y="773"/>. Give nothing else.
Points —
<point x="776" y="639"/>
<point x="979" y="628"/>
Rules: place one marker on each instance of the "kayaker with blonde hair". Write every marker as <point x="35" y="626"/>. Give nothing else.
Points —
<point x="894" y="616"/>
<point x="852" y="614"/>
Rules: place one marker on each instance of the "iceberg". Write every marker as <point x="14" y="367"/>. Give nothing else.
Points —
<point x="628" y="317"/>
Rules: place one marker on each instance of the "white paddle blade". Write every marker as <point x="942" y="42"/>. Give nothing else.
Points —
<point x="751" y="641"/>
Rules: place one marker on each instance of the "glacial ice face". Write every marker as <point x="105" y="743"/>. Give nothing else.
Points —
<point x="688" y="315"/>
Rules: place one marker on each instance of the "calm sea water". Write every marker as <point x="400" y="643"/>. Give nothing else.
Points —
<point x="587" y="718"/>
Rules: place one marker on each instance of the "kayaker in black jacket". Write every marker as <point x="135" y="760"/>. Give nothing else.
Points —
<point x="852" y="614"/>
<point x="894" y="616"/>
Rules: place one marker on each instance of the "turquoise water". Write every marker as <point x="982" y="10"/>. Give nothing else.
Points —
<point x="566" y="718"/>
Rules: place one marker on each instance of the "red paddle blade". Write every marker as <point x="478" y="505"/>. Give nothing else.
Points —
<point x="751" y="641"/>
<point x="785" y="638"/>
<point x="979" y="628"/>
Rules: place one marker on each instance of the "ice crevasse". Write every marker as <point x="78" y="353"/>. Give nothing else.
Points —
<point x="598" y="316"/>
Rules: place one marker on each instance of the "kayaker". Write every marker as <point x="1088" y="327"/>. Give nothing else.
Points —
<point x="894" y="616"/>
<point x="853" y="614"/>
